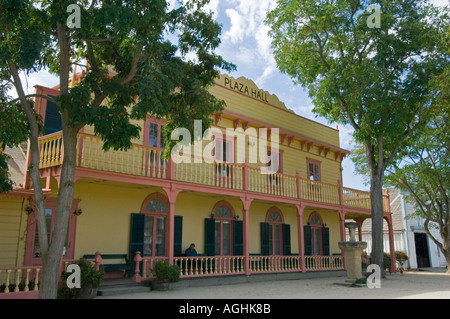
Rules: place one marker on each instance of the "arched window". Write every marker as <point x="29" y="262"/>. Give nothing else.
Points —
<point x="275" y="234"/>
<point x="316" y="233"/>
<point x="316" y="236"/>
<point x="274" y="219"/>
<point x="155" y="208"/>
<point x="223" y="214"/>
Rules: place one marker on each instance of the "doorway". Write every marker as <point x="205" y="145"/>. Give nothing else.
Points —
<point x="422" y="253"/>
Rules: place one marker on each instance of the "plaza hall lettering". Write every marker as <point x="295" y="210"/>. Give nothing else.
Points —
<point x="242" y="88"/>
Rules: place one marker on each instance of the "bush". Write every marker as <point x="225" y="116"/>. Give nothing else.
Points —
<point x="90" y="277"/>
<point x="164" y="271"/>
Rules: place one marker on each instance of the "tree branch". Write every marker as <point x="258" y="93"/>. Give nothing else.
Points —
<point x="37" y="95"/>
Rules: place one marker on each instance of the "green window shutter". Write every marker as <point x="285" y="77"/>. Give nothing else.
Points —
<point x="238" y="238"/>
<point x="265" y="233"/>
<point x="286" y="239"/>
<point x="308" y="240"/>
<point x="136" y="238"/>
<point x="326" y="241"/>
<point x="52" y="122"/>
<point x="178" y="236"/>
<point x="210" y="236"/>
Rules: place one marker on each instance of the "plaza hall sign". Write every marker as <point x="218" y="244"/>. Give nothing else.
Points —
<point x="243" y="88"/>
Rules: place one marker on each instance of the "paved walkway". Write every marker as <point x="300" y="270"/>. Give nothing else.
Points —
<point x="429" y="284"/>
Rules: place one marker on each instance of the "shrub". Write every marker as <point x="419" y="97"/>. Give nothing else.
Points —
<point x="90" y="277"/>
<point x="164" y="271"/>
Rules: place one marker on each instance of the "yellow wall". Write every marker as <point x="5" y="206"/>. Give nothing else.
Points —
<point x="13" y="222"/>
<point x="105" y="223"/>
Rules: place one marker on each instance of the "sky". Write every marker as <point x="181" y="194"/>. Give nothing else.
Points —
<point x="245" y="42"/>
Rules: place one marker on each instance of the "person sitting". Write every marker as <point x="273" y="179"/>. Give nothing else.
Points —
<point x="191" y="251"/>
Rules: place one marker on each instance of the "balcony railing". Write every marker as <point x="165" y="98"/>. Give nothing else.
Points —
<point x="148" y="162"/>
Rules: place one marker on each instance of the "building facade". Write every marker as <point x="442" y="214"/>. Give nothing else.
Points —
<point x="243" y="217"/>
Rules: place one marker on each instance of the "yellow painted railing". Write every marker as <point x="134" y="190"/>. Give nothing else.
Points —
<point x="320" y="192"/>
<point x="356" y="198"/>
<point x="139" y="160"/>
<point x="274" y="263"/>
<point x="17" y="279"/>
<point x="51" y="150"/>
<point x="148" y="162"/>
<point x="273" y="184"/>
<point x="204" y="266"/>
<point x="210" y="266"/>
<point x="324" y="262"/>
<point x="222" y="175"/>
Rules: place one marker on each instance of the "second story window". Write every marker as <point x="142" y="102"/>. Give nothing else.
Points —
<point x="313" y="170"/>
<point x="154" y="135"/>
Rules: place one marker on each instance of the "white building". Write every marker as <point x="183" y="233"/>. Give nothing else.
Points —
<point x="409" y="234"/>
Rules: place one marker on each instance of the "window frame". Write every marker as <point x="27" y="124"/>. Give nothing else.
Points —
<point x="160" y="123"/>
<point x="272" y="224"/>
<point x="315" y="163"/>
<point x="155" y="215"/>
<point x="221" y="221"/>
<point x="50" y="203"/>
<point x="316" y="230"/>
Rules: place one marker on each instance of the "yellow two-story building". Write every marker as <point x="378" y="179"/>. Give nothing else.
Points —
<point x="243" y="217"/>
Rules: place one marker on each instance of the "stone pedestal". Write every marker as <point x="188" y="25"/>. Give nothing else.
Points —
<point x="353" y="251"/>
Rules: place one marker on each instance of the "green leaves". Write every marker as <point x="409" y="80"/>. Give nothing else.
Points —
<point x="375" y="79"/>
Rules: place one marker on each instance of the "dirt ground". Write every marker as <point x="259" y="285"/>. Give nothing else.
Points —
<point x="430" y="284"/>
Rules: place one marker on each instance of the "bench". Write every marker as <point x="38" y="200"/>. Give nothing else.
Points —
<point x="114" y="267"/>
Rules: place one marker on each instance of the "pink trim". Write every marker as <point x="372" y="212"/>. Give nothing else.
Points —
<point x="244" y="118"/>
<point x="20" y="295"/>
<point x="222" y="219"/>
<point x="155" y="214"/>
<point x="29" y="259"/>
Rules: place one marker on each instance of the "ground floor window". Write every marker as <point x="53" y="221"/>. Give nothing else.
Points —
<point x="316" y="236"/>
<point x="275" y="234"/>
<point x="33" y="254"/>
<point x="223" y="232"/>
<point x="155" y="210"/>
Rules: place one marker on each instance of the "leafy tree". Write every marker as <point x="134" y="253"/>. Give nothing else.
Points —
<point x="424" y="171"/>
<point x="151" y="76"/>
<point x="377" y="79"/>
<point x="421" y="166"/>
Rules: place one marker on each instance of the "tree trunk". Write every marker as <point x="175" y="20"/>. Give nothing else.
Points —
<point x="376" y="198"/>
<point x="52" y="260"/>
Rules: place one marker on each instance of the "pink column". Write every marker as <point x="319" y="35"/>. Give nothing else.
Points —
<point x="98" y="260"/>
<point x="391" y="243"/>
<point x="171" y="196"/>
<point x="301" y="245"/>
<point x="342" y="228"/>
<point x="137" y="273"/>
<point x="171" y="230"/>
<point x="246" y="210"/>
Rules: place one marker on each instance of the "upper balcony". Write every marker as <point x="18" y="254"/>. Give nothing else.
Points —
<point x="147" y="163"/>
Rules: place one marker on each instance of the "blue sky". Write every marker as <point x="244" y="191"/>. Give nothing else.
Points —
<point x="245" y="43"/>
